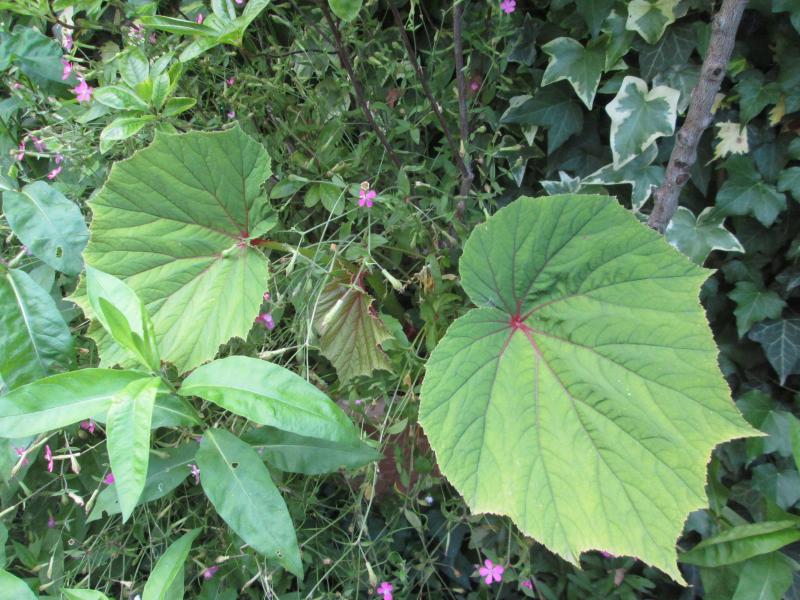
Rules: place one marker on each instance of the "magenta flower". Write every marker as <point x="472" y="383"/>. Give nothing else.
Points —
<point x="51" y="522"/>
<point x="54" y="173"/>
<point x="195" y="470"/>
<point x="38" y="144"/>
<point x="59" y="159"/>
<point x="385" y="589"/>
<point x="21" y="154"/>
<point x="67" y="41"/>
<point x="527" y="584"/>
<point x="266" y="320"/>
<point x="210" y="572"/>
<point x="21" y="452"/>
<point x="199" y="18"/>
<point x="365" y="197"/>
<point x="82" y="91"/>
<point x="231" y="114"/>
<point x="48" y="456"/>
<point x="85" y="425"/>
<point x="266" y="296"/>
<point x="508" y="6"/>
<point x="230" y="81"/>
<point x="491" y="572"/>
<point x="109" y="479"/>
<point x="239" y="2"/>
<point x="474" y="85"/>
<point x="67" y="69"/>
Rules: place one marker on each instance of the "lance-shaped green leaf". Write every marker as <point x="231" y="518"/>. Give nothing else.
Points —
<point x="128" y="430"/>
<point x="239" y="486"/>
<point x="123" y="316"/>
<point x="346" y="10"/>
<point x="754" y="303"/>
<point x="50" y="225"/>
<point x="173" y="223"/>
<point x="639" y="117"/>
<point x="742" y="542"/>
<point x="169" y="569"/>
<point x="745" y="193"/>
<point x="350" y="331"/>
<point x="34" y="339"/>
<point x="764" y="577"/>
<point x="583" y="397"/>
<point x="61" y="400"/>
<point x="581" y="67"/>
<point x="697" y="237"/>
<point x="649" y="18"/>
<point x="268" y="394"/>
<point x="311" y="456"/>
<point x="640" y="173"/>
<point x="77" y="594"/>
<point x="781" y="342"/>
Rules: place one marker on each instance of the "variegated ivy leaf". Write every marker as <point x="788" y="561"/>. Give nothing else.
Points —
<point x="697" y="237"/>
<point x="583" y="396"/>
<point x="639" y="117"/>
<point x="175" y="223"/>
<point x="581" y="67"/>
<point x="649" y="18"/>
<point x="350" y="331"/>
<point x="640" y="173"/>
<point x="731" y="139"/>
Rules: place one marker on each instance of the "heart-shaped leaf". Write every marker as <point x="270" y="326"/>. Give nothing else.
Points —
<point x="173" y="223"/>
<point x="583" y="397"/>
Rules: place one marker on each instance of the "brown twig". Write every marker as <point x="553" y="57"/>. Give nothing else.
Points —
<point x="698" y="117"/>
<point x="412" y="56"/>
<point x="340" y="50"/>
<point x="467" y="175"/>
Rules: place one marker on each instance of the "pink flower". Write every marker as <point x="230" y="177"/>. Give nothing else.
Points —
<point x="266" y="296"/>
<point x="85" y="425"/>
<point x="82" y="91"/>
<point x="67" y="69"/>
<point x="365" y="197"/>
<point x="230" y="81"/>
<point x="210" y="572"/>
<point x="59" y="159"/>
<point x="385" y="589"/>
<point x="48" y="456"/>
<point x="54" y="173"/>
<point x="195" y="470"/>
<point x="68" y="41"/>
<point x="239" y="2"/>
<point x="491" y="572"/>
<point x="527" y="584"/>
<point x="508" y="6"/>
<point x="199" y="18"/>
<point x="474" y="85"/>
<point x="38" y="144"/>
<point x="21" y="452"/>
<point x="231" y="114"/>
<point x="109" y="479"/>
<point x="21" y="154"/>
<point x="266" y="320"/>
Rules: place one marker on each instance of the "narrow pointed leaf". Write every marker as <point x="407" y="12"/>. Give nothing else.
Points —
<point x="268" y="394"/>
<point x="583" y="397"/>
<point x="169" y="569"/>
<point x="34" y="339"/>
<point x="239" y="486"/>
<point x="764" y="577"/>
<point x="128" y="430"/>
<point x="742" y="542"/>
<point x="61" y="400"/>
<point x="172" y="222"/>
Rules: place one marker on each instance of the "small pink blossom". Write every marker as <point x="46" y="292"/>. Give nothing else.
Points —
<point x="51" y="522"/>
<point x="366" y="197"/>
<point x="508" y="6"/>
<point x="210" y="572"/>
<point x="109" y="479"/>
<point x="59" y="159"/>
<point x="474" y="85"/>
<point x="231" y="114"/>
<point x="266" y="320"/>
<point x="89" y="424"/>
<point x="67" y="42"/>
<point x="48" y="456"/>
<point x="239" y="2"/>
<point x="230" y="81"/>
<point x="152" y="38"/>
<point x="54" y="173"/>
<point x="38" y="144"/>
<point x="21" y="452"/>
<point x="491" y="572"/>
<point x="83" y="91"/>
<point x="527" y="584"/>
<point x="195" y="470"/>
<point x="199" y="18"/>
<point x="16" y="85"/>
<point x="266" y="296"/>
<point x="385" y="589"/>
<point x="21" y="154"/>
<point x="67" y="69"/>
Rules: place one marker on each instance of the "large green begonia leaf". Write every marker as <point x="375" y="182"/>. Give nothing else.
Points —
<point x="583" y="397"/>
<point x="173" y="222"/>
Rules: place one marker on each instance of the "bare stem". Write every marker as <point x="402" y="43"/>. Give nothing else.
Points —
<point x="698" y="117"/>
<point x="340" y="50"/>
<point x="467" y="176"/>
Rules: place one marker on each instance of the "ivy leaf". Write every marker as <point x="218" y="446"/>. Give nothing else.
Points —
<point x="732" y="139"/>
<point x="173" y="222"/>
<point x="50" y="225"/>
<point x="594" y="13"/>
<point x="697" y="237"/>
<point x="789" y="181"/>
<point x="781" y="342"/>
<point x="346" y="10"/>
<point x="527" y="400"/>
<point x="238" y="484"/>
<point x="581" y="67"/>
<point x="640" y="173"/>
<point x="745" y="193"/>
<point x="755" y="94"/>
<point x="754" y="304"/>
<point x="552" y="107"/>
<point x="639" y="117"/>
<point x="34" y="339"/>
<point x="350" y="331"/>
<point x="673" y="49"/>
<point x="649" y="18"/>
<point x="128" y="431"/>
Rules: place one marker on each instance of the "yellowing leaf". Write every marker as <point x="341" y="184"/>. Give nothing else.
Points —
<point x="732" y="139"/>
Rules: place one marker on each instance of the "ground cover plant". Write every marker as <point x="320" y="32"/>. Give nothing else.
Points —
<point x="399" y="299"/>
